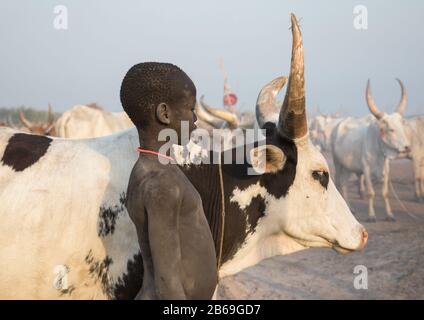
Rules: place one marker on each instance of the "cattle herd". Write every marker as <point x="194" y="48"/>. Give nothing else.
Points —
<point x="364" y="147"/>
<point x="65" y="230"/>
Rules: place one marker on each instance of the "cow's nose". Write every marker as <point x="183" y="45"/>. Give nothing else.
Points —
<point x="364" y="239"/>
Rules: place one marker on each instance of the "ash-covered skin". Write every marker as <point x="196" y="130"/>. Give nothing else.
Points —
<point x="176" y="243"/>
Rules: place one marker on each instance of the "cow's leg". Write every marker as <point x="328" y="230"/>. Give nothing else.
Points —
<point x="385" y="190"/>
<point x="371" y="194"/>
<point x="337" y="169"/>
<point x="421" y="178"/>
<point x="361" y="185"/>
<point x="417" y="178"/>
<point x="342" y="179"/>
<point x="422" y="189"/>
<point x="419" y="189"/>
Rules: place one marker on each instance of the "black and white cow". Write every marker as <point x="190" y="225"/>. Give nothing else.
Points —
<point x="65" y="232"/>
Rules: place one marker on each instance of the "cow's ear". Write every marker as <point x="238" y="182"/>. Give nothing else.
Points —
<point x="267" y="159"/>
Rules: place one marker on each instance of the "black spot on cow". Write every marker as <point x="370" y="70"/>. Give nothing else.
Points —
<point x="129" y="284"/>
<point x="122" y="199"/>
<point x="68" y="291"/>
<point x="322" y="177"/>
<point x="109" y="215"/>
<point x="253" y="217"/>
<point x="23" y="150"/>
<point x="99" y="271"/>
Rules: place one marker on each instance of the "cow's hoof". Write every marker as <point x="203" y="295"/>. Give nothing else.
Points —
<point x="372" y="219"/>
<point x="391" y="219"/>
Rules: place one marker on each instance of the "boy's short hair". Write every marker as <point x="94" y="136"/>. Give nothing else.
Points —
<point x="149" y="83"/>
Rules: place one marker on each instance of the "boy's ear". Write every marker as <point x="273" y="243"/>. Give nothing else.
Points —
<point x="267" y="158"/>
<point x="163" y="113"/>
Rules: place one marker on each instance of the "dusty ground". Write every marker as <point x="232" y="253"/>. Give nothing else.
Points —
<point x="394" y="257"/>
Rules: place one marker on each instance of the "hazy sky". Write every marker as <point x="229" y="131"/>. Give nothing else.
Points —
<point x="87" y="62"/>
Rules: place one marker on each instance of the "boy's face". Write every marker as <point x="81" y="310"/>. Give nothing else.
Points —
<point x="183" y="110"/>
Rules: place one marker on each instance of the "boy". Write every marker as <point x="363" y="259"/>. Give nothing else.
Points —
<point x="174" y="236"/>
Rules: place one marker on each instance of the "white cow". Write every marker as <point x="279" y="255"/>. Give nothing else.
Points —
<point x="365" y="147"/>
<point x="65" y="231"/>
<point x="81" y="122"/>
<point x="320" y="130"/>
<point x="414" y="128"/>
<point x="322" y="127"/>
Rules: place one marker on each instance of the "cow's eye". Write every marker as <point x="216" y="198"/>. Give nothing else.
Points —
<point x="321" y="176"/>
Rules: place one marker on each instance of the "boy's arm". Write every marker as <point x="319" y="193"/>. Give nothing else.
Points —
<point x="163" y="211"/>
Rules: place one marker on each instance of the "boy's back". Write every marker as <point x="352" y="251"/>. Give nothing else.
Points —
<point x="175" y="238"/>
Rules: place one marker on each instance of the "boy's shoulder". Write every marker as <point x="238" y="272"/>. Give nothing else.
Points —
<point x="152" y="177"/>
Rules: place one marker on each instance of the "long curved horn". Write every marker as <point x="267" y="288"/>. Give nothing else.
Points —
<point x="292" y="122"/>
<point x="222" y="114"/>
<point x="266" y="108"/>
<point x="24" y="120"/>
<point x="205" y="116"/>
<point x="403" y="100"/>
<point x="50" y="117"/>
<point x="371" y="104"/>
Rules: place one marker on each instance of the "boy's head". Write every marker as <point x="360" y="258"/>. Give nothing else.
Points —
<point x="157" y="95"/>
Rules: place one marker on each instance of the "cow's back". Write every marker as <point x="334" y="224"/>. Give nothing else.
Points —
<point x="65" y="232"/>
<point x="82" y="122"/>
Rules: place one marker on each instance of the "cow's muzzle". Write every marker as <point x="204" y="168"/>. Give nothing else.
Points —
<point x="363" y="242"/>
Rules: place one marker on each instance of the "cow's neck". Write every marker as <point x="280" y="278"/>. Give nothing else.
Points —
<point x="205" y="178"/>
<point x="252" y="203"/>
<point x="239" y="226"/>
<point x="376" y="155"/>
<point x="258" y="249"/>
